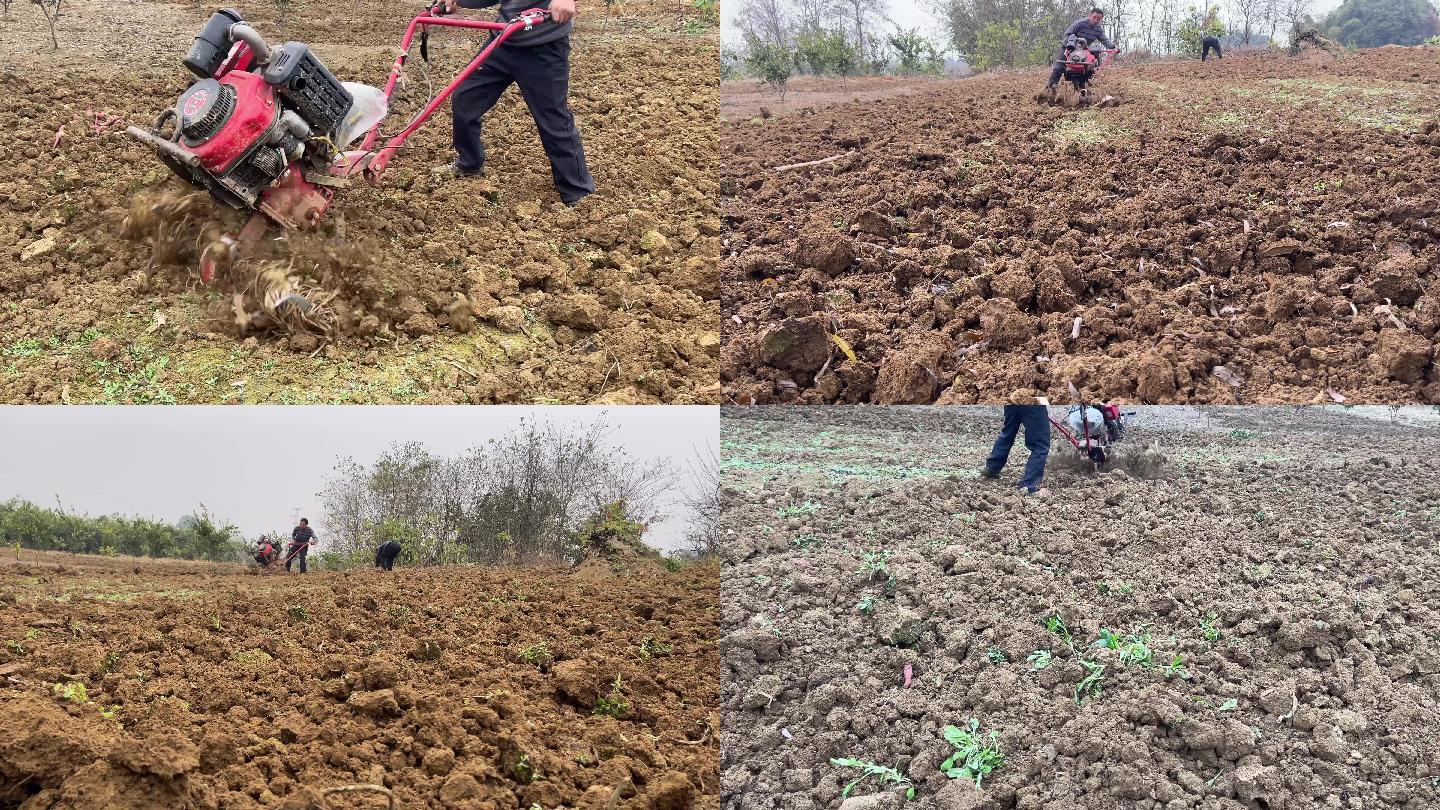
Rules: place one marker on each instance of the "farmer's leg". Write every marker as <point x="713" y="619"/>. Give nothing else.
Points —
<point x="472" y="99"/>
<point x="1037" y="441"/>
<point x="1001" y="451"/>
<point x="1057" y="69"/>
<point x="303" y="553"/>
<point x="545" y="83"/>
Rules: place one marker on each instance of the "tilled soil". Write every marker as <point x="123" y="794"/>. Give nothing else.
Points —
<point x="207" y="687"/>
<point x="1260" y="230"/>
<point x="434" y="290"/>
<point x="1305" y="541"/>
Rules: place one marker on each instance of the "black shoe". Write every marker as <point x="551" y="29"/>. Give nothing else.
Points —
<point x="990" y="474"/>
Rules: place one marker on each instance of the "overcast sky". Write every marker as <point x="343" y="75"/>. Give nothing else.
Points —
<point x="256" y="466"/>
<point x="917" y="15"/>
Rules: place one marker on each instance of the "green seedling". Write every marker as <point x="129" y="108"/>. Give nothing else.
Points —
<point x="1040" y="659"/>
<point x="866" y="605"/>
<point x="1134" y="649"/>
<point x="650" y="648"/>
<point x="887" y="776"/>
<point x="806" y="542"/>
<point x="1092" y="684"/>
<point x="538" y="655"/>
<point x="876" y="565"/>
<point x="997" y="656"/>
<point x="975" y="755"/>
<point x="1056" y="625"/>
<point x="524" y="771"/>
<point x="613" y="704"/>
<point x="1209" y="630"/>
<point x="797" y="510"/>
<point x="298" y="613"/>
<point x="1176" y="668"/>
<point x="71" y="692"/>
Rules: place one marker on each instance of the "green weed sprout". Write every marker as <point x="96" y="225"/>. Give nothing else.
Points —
<point x="71" y="691"/>
<point x="876" y="565"/>
<point x="866" y="605"/>
<point x="613" y="704"/>
<point x="1134" y="649"/>
<point x="887" y="776"/>
<point x="650" y="648"/>
<point x="975" y="755"/>
<point x="997" y="656"/>
<point x="1040" y="659"/>
<point x="1209" y="630"/>
<point x="1176" y="668"/>
<point x="539" y="655"/>
<point x="1092" y="684"/>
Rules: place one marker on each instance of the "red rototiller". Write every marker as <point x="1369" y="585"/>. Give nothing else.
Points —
<point x="1093" y="430"/>
<point x="265" y="129"/>
<point x="1082" y="66"/>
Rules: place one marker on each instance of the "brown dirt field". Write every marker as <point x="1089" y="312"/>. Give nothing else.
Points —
<point x="744" y="99"/>
<point x="1306" y="541"/>
<point x="1253" y="215"/>
<point x="206" y="686"/>
<point x="568" y="306"/>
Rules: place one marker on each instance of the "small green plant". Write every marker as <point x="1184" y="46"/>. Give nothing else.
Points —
<point x="806" y="542"/>
<point x="975" y="754"/>
<point x="538" y="655"/>
<point x="71" y="691"/>
<point x="1209" y="630"/>
<point x="1134" y="649"/>
<point x="866" y="605"/>
<point x="1092" y="684"/>
<point x="886" y="776"/>
<point x="14" y="646"/>
<point x="1040" y="659"/>
<point x="298" y="613"/>
<point x="1176" y="668"/>
<point x="797" y="510"/>
<point x="524" y="771"/>
<point x="613" y="704"/>
<point x="997" y="656"/>
<point x="650" y="648"/>
<point x="876" y="565"/>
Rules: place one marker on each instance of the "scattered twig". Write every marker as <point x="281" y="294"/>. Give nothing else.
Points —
<point x="787" y="167"/>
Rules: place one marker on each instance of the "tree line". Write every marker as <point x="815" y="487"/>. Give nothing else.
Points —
<point x="193" y="537"/>
<point x="533" y="496"/>
<point x="781" y="38"/>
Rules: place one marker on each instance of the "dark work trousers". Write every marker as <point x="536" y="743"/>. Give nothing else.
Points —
<point x="543" y="75"/>
<point x="292" y="556"/>
<point x="1058" y="70"/>
<point x="1036" y="423"/>
<point x="385" y="555"/>
<point x="1208" y="44"/>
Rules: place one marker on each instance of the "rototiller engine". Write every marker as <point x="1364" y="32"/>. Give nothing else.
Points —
<point x="1082" y="64"/>
<point x="265" y="128"/>
<point x="1093" y="430"/>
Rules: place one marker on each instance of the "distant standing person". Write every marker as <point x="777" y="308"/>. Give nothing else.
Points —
<point x="385" y="555"/>
<point x="301" y="539"/>
<point x="1208" y="44"/>
<point x="1035" y="421"/>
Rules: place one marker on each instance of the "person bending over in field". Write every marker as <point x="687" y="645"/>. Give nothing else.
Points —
<point x="538" y="61"/>
<point x="1036" y="423"/>
<point x="265" y="551"/>
<point x="1207" y="45"/>
<point x="301" y="539"/>
<point x="1086" y="28"/>
<point x="385" y="555"/>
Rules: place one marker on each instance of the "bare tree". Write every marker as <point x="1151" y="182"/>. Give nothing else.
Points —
<point x="513" y="499"/>
<point x="51" y="10"/>
<point x="767" y="20"/>
<point x="1250" y="12"/>
<point x="702" y="499"/>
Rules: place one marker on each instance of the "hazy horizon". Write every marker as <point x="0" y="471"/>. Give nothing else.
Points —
<point x="260" y="467"/>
